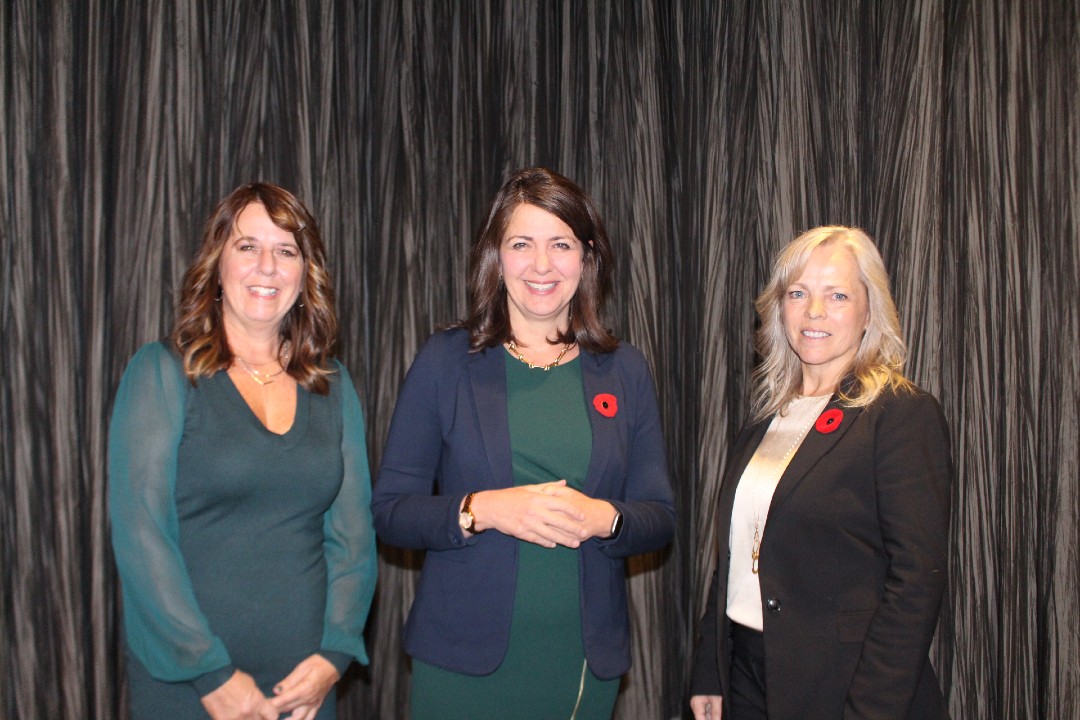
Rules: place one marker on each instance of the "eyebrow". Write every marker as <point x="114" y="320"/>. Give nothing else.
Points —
<point x="827" y="288"/>
<point x="553" y="237"/>
<point x="242" y="236"/>
<point x="796" y="282"/>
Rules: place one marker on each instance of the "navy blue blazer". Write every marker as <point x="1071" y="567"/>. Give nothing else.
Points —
<point x="852" y="567"/>
<point x="450" y="436"/>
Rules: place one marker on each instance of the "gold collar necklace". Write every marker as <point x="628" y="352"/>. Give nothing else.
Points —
<point x="517" y="353"/>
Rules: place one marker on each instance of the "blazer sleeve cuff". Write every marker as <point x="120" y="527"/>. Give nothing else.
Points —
<point x="457" y="536"/>
<point x="706" y="679"/>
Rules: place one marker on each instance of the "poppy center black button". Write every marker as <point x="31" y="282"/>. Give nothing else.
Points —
<point x="773" y="604"/>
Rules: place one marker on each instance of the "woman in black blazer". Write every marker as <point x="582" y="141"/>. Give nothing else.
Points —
<point x="834" y="509"/>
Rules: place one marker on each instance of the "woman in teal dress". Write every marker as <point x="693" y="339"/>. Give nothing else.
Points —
<point x="239" y="485"/>
<point x="525" y="456"/>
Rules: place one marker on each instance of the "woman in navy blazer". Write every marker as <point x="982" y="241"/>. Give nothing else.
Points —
<point x="834" y="510"/>
<point x="525" y="456"/>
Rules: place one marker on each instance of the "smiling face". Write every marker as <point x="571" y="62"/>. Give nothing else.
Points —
<point x="540" y="260"/>
<point x="825" y="312"/>
<point x="261" y="271"/>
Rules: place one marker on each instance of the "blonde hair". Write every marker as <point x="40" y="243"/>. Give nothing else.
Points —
<point x="879" y="361"/>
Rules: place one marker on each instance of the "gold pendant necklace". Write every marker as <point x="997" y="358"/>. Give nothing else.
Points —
<point x="517" y="353"/>
<point x="259" y="377"/>
<point x="755" y="549"/>
<point x="771" y="479"/>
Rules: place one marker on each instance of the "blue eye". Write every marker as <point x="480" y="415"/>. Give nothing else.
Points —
<point x="796" y="294"/>
<point x="839" y="296"/>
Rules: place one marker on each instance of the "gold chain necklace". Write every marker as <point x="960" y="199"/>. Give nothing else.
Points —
<point x="259" y="377"/>
<point x="771" y="479"/>
<point x="517" y="353"/>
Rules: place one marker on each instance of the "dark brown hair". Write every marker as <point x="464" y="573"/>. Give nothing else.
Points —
<point x="310" y="326"/>
<point x="488" y="322"/>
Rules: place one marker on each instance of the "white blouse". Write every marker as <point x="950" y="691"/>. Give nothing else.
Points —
<point x="752" y="499"/>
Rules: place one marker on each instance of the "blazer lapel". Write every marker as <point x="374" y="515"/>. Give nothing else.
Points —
<point x="605" y="431"/>
<point x="813" y="448"/>
<point x="487" y="374"/>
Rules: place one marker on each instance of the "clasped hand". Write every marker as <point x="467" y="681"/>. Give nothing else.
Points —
<point x="301" y="693"/>
<point x="547" y="514"/>
<point x="706" y="707"/>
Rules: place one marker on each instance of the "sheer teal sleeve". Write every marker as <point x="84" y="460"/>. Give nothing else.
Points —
<point x="165" y="628"/>
<point x="349" y="543"/>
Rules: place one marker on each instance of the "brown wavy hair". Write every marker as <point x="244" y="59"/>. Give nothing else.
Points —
<point x="488" y="321"/>
<point x="310" y="326"/>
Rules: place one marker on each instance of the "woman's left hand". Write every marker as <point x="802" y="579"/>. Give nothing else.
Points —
<point x="302" y="692"/>
<point x="599" y="514"/>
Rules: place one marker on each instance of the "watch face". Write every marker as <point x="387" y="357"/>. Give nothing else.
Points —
<point x="616" y="525"/>
<point x="464" y="520"/>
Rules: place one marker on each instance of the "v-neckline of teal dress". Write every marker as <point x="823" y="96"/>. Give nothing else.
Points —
<point x="290" y="437"/>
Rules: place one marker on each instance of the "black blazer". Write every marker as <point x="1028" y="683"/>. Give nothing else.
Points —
<point x="450" y="436"/>
<point x="852" y="567"/>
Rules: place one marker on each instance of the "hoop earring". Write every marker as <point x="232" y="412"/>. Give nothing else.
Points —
<point x="220" y="292"/>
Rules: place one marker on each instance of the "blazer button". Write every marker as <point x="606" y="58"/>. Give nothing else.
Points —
<point x="773" y="604"/>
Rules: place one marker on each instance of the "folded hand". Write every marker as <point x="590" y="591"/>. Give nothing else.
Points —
<point x="303" y="690"/>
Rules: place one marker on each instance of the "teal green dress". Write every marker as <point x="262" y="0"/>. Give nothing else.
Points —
<point x="237" y="547"/>
<point x="544" y="671"/>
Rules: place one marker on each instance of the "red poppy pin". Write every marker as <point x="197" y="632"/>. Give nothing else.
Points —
<point x="606" y="404"/>
<point x="829" y="420"/>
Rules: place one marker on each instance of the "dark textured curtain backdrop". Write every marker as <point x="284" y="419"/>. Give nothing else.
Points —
<point x="709" y="132"/>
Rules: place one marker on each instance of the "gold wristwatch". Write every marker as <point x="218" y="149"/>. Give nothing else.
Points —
<point x="465" y="518"/>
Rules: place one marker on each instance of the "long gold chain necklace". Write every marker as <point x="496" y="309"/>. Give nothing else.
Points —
<point x="532" y="366"/>
<point x="770" y="480"/>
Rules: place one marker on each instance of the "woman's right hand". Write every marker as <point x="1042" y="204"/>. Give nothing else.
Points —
<point x="706" y="707"/>
<point x="239" y="699"/>
<point x="526" y="513"/>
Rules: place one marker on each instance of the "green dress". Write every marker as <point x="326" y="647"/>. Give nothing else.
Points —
<point x="237" y="547"/>
<point x="544" y="669"/>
